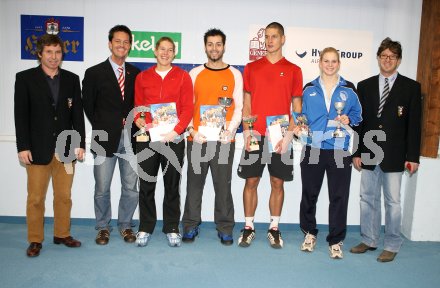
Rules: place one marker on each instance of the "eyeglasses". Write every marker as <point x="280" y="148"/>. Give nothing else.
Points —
<point x="391" y="57"/>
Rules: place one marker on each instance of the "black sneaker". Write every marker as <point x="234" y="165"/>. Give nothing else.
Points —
<point x="246" y="237"/>
<point x="274" y="236"/>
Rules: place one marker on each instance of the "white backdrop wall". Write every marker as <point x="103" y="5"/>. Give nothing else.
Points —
<point x="398" y="19"/>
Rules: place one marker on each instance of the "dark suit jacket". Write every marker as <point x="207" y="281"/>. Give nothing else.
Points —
<point x="38" y="122"/>
<point x="104" y="106"/>
<point x="400" y="120"/>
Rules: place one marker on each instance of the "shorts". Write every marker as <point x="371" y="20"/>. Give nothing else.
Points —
<point x="279" y="165"/>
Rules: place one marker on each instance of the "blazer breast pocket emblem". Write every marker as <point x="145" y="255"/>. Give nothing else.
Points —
<point x="400" y="111"/>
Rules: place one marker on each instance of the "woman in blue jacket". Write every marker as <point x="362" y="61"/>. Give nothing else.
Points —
<point x="327" y="152"/>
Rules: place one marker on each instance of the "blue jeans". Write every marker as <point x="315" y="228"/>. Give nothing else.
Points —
<point x="370" y="208"/>
<point x="103" y="171"/>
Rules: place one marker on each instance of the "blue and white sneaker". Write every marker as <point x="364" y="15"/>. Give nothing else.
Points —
<point x="190" y="236"/>
<point x="174" y="239"/>
<point x="142" y="238"/>
<point x="225" y="239"/>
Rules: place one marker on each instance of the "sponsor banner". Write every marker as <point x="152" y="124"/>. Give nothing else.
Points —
<point x="257" y="46"/>
<point x="144" y="43"/>
<point x="303" y="46"/>
<point x="69" y="29"/>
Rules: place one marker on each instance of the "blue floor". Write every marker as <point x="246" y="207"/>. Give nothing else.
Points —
<point x="207" y="263"/>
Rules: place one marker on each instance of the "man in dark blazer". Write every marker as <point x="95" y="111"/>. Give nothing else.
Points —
<point x="49" y="126"/>
<point x="108" y="97"/>
<point x="389" y="143"/>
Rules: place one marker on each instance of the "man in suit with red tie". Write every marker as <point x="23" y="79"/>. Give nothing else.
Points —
<point x="108" y="97"/>
<point x="391" y="105"/>
<point x="49" y="125"/>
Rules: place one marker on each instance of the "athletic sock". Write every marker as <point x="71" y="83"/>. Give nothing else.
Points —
<point x="249" y="222"/>
<point x="274" y="221"/>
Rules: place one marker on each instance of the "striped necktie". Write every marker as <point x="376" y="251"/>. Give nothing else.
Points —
<point x="383" y="99"/>
<point x="121" y="81"/>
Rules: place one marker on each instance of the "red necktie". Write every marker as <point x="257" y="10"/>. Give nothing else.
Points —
<point x="121" y="81"/>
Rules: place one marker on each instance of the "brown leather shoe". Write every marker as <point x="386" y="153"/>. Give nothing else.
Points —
<point x="362" y="248"/>
<point x="34" y="249"/>
<point x="102" y="237"/>
<point x="68" y="241"/>
<point x="386" y="256"/>
<point x="128" y="235"/>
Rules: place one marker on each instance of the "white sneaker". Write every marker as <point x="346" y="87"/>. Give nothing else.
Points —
<point x="142" y="238"/>
<point x="275" y="239"/>
<point x="246" y="237"/>
<point x="336" y="251"/>
<point x="174" y="239"/>
<point x="309" y="243"/>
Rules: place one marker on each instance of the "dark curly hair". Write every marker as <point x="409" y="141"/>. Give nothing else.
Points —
<point x="393" y="46"/>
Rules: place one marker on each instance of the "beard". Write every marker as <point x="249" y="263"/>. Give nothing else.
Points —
<point x="214" y="60"/>
<point x="217" y="59"/>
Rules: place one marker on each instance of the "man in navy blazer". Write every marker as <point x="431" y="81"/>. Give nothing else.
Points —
<point x="108" y="97"/>
<point x="391" y="105"/>
<point x="49" y="126"/>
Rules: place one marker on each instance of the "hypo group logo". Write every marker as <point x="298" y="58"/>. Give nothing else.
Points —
<point x="144" y="42"/>
<point x="304" y="45"/>
<point x="315" y="54"/>
<point x="301" y="55"/>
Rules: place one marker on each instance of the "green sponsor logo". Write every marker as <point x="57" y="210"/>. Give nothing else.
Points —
<point x="144" y="42"/>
